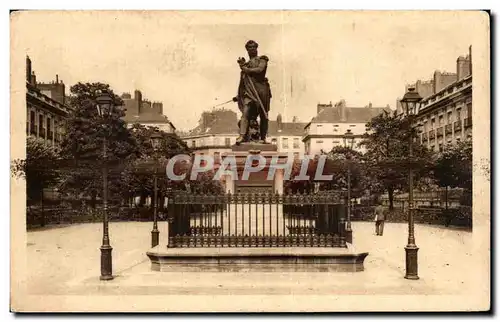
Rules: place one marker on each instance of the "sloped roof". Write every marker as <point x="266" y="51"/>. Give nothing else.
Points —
<point x="220" y="122"/>
<point x="226" y="122"/>
<point x="147" y="117"/>
<point x="287" y="129"/>
<point x="352" y="114"/>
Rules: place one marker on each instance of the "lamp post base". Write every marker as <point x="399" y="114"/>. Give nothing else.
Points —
<point x="348" y="235"/>
<point x="411" y="262"/>
<point x="106" y="263"/>
<point x="155" y="237"/>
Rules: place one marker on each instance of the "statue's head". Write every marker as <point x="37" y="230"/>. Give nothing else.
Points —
<point x="251" y="47"/>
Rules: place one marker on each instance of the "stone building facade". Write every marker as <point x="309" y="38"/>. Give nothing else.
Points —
<point x="45" y="107"/>
<point x="326" y="130"/>
<point x="445" y="115"/>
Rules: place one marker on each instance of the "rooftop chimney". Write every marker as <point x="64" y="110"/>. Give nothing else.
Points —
<point x="28" y="69"/>
<point x="57" y="79"/>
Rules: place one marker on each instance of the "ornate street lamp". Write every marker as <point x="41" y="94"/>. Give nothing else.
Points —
<point x="156" y="140"/>
<point x="411" y="104"/>
<point x="348" y="143"/>
<point x="104" y="109"/>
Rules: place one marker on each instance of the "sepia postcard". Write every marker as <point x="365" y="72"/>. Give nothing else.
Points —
<point x="250" y="161"/>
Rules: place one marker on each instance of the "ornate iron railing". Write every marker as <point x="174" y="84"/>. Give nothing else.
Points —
<point x="257" y="220"/>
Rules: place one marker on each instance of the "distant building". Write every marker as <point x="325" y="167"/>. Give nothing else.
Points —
<point x="327" y="128"/>
<point x="445" y="115"/>
<point x="144" y="112"/>
<point x="45" y="106"/>
<point x="218" y="129"/>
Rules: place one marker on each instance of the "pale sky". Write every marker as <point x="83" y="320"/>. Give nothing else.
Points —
<point x="188" y="61"/>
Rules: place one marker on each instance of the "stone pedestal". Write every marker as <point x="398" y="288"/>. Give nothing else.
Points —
<point x="257" y="181"/>
<point x="258" y="259"/>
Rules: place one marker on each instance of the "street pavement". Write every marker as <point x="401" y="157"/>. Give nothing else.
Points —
<point x="66" y="261"/>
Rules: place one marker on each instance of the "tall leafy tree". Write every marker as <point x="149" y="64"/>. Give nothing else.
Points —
<point x="37" y="169"/>
<point x="453" y="167"/>
<point x="83" y="142"/>
<point x="341" y="161"/>
<point x="386" y="157"/>
<point x="138" y="175"/>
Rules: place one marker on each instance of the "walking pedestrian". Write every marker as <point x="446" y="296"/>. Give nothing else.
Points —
<point x="379" y="218"/>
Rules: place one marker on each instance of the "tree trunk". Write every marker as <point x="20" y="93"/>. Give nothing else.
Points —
<point x="161" y="200"/>
<point x="142" y="201"/>
<point x="446" y="197"/>
<point x="93" y="200"/>
<point x="390" y="192"/>
<point x="42" y="219"/>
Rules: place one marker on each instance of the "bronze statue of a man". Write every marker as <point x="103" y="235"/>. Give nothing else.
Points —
<point x="254" y="93"/>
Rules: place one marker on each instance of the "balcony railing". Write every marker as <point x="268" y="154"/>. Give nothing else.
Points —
<point x="468" y="122"/>
<point x="458" y="125"/>
<point x="439" y="131"/>
<point x="449" y="129"/>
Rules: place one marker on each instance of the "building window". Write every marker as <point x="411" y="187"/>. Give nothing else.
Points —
<point x="440" y="147"/>
<point x="432" y="147"/>
<point x="469" y="110"/>
<point x="449" y="121"/>
<point x="440" y="120"/>
<point x="296" y="143"/>
<point x="50" y="135"/>
<point x="433" y="124"/>
<point x="41" y="128"/>
<point x="193" y="144"/>
<point x="227" y="141"/>
<point x="459" y="114"/>
<point x="284" y="143"/>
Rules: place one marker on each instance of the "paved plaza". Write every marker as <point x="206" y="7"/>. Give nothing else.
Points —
<point x="66" y="261"/>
